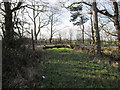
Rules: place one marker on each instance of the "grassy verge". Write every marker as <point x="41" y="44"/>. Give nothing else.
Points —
<point x="65" y="68"/>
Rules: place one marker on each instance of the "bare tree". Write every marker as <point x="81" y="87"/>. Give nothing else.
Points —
<point x="36" y="11"/>
<point x="9" y="24"/>
<point x="60" y="38"/>
<point x="42" y="23"/>
<point x="92" y="30"/>
<point x="53" y="15"/>
<point x="70" y="36"/>
<point x="82" y="28"/>
<point x="19" y="22"/>
<point x="114" y="17"/>
<point x="33" y="45"/>
<point x="95" y="27"/>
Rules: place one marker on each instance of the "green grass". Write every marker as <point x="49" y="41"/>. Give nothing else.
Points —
<point x="65" y="68"/>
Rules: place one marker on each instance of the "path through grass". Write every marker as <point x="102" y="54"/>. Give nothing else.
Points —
<point x="65" y="68"/>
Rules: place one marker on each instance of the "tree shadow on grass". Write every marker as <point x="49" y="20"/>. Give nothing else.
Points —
<point x="67" y="75"/>
<point x="66" y="69"/>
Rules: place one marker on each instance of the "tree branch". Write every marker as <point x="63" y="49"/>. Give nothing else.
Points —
<point x="18" y="6"/>
<point x="110" y="33"/>
<point x="104" y="12"/>
<point x="28" y="6"/>
<point x="30" y="16"/>
<point x="2" y="9"/>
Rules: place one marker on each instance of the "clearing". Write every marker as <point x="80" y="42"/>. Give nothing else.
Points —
<point x="66" y="68"/>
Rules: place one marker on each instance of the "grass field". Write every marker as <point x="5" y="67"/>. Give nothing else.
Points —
<point x="65" y="68"/>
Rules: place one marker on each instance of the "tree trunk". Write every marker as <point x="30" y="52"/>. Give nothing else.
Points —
<point x="83" y="33"/>
<point x="33" y="45"/>
<point x="116" y="22"/>
<point x="92" y="30"/>
<point x="51" y="33"/>
<point x="35" y="33"/>
<point x="82" y="30"/>
<point x="34" y="20"/>
<point x="51" y="29"/>
<point x="117" y="27"/>
<point x="50" y="40"/>
<point x="51" y="37"/>
<point x="8" y="26"/>
<point x="95" y="23"/>
<point x="3" y="29"/>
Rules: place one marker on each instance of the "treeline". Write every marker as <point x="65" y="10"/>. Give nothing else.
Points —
<point x="42" y="14"/>
<point x="96" y="13"/>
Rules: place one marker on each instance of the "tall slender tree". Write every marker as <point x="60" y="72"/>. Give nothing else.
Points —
<point x="54" y="20"/>
<point x="95" y="27"/>
<point x="36" y="11"/>
<point x="92" y="30"/>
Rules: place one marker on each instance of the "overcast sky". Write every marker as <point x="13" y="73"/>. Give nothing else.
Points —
<point x="66" y="18"/>
<point x="65" y="26"/>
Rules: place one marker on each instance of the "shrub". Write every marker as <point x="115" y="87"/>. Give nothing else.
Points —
<point x="19" y="67"/>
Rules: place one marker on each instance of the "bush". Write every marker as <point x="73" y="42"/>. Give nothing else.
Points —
<point x="18" y="67"/>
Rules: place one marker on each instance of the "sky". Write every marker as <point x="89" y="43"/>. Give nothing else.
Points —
<point x="65" y="25"/>
<point x="69" y="25"/>
<point x="66" y="19"/>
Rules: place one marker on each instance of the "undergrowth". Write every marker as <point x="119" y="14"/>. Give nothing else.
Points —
<point x="19" y="68"/>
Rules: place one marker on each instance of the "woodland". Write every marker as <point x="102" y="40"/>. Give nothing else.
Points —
<point x="39" y="51"/>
